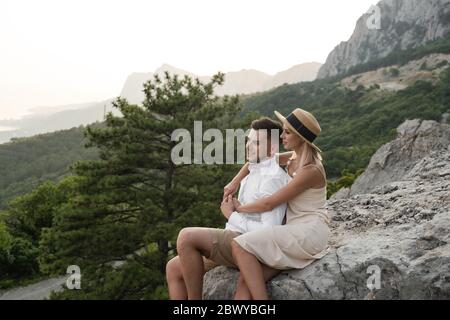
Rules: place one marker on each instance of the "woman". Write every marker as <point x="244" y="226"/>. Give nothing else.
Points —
<point x="262" y="254"/>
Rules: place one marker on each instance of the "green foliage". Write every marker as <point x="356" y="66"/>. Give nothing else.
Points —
<point x="345" y="181"/>
<point x="18" y="259"/>
<point x="25" y="163"/>
<point x="394" y="72"/>
<point x="424" y="66"/>
<point x="21" y="226"/>
<point x="441" y="64"/>
<point x="27" y="215"/>
<point x="138" y="278"/>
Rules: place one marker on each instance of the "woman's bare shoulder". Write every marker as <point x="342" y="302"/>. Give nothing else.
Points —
<point x="316" y="172"/>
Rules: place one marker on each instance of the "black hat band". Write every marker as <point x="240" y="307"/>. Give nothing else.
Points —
<point x="300" y="127"/>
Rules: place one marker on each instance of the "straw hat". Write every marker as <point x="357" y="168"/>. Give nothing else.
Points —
<point x="304" y="124"/>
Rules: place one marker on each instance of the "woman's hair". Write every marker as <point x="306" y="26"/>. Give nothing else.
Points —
<point x="309" y="155"/>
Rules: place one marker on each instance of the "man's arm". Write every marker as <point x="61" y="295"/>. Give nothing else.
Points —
<point x="233" y="186"/>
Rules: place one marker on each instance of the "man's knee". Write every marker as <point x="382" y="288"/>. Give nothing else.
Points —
<point x="185" y="239"/>
<point x="173" y="269"/>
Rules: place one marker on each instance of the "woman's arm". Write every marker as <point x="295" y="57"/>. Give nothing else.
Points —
<point x="233" y="186"/>
<point x="305" y="179"/>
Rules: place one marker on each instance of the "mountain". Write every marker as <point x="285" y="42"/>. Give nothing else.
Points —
<point x="237" y="82"/>
<point x="404" y="24"/>
<point x="397" y="227"/>
<point x="49" y="119"/>
<point x="54" y="109"/>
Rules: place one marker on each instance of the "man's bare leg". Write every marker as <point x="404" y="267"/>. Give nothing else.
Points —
<point x="175" y="281"/>
<point x="192" y="244"/>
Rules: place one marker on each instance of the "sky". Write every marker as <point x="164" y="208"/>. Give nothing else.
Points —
<point x="58" y="52"/>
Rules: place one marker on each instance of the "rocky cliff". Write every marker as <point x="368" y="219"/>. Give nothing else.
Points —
<point x="403" y="24"/>
<point x="394" y="223"/>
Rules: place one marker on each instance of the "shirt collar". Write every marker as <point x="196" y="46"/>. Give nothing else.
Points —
<point x="268" y="164"/>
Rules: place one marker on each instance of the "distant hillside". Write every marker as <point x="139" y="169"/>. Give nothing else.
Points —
<point x="397" y="77"/>
<point x="237" y="82"/>
<point x="27" y="162"/>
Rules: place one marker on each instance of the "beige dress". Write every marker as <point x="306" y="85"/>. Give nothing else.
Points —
<point x="298" y="243"/>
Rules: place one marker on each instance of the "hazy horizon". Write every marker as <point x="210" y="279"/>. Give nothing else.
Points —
<point x="58" y="53"/>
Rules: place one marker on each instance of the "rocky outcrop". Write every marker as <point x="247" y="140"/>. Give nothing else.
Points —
<point x="417" y="139"/>
<point x="403" y="24"/>
<point x="397" y="229"/>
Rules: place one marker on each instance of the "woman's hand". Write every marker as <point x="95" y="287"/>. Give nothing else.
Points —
<point x="236" y="204"/>
<point x="227" y="206"/>
<point x="230" y="189"/>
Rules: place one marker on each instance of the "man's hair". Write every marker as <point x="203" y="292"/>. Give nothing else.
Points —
<point x="268" y="124"/>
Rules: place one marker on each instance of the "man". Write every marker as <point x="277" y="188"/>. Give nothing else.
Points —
<point x="201" y="249"/>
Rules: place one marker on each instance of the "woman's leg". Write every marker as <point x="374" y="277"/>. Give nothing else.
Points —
<point x="192" y="244"/>
<point x="252" y="271"/>
<point x="242" y="290"/>
<point x="175" y="281"/>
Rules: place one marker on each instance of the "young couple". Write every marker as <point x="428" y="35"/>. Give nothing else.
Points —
<point x="278" y="222"/>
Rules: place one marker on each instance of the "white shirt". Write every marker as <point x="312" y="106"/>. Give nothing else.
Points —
<point x="265" y="178"/>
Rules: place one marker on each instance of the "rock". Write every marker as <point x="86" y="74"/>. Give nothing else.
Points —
<point x="404" y="24"/>
<point x="416" y="140"/>
<point x="400" y="229"/>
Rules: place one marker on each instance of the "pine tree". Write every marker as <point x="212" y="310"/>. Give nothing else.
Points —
<point x="130" y="204"/>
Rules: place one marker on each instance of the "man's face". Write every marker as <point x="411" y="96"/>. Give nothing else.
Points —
<point x="257" y="145"/>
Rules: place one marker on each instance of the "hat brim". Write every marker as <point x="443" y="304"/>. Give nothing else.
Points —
<point x="284" y="120"/>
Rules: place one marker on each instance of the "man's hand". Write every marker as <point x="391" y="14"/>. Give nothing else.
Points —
<point x="227" y="206"/>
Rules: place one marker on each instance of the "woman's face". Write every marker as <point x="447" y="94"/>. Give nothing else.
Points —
<point x="291" y="140"/>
